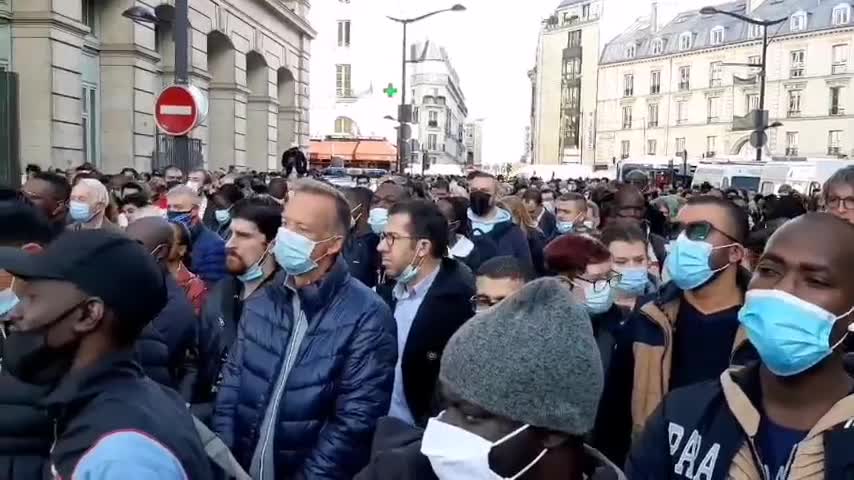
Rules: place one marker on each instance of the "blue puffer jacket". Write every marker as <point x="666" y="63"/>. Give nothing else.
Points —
<point x="207" y="258"/>
<point x="340" y="384"/>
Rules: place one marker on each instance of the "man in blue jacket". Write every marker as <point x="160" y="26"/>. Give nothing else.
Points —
<point x="208" y="249"/>
<point x="312" y="369"/>
<point x="790" y="415"/>
<point x="493" y="230"/>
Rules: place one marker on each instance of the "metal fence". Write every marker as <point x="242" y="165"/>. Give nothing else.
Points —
<point x="164" y="152"/>
<point x="10" y="153"/>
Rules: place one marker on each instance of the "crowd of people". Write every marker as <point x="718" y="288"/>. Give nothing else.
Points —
<point x="215" y="325"/>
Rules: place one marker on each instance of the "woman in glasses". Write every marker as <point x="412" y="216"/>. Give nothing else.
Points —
<point x="585" y="263"/>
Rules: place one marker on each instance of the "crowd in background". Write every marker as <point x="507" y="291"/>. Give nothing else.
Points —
<point x="406" y="327"/>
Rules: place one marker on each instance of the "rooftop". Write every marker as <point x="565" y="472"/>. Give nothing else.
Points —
<point x="696" y="29"/>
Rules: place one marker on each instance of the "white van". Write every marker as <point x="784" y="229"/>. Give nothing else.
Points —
<point x="805" y="176"/>
<point x="727" y="174"/>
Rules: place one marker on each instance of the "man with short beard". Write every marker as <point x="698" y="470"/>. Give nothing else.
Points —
<point x="254" y="224"/>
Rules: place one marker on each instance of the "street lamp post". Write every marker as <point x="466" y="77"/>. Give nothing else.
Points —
<point x="403" y="118"/>
<point x="762" y="120"/>
<point x="180" y="36"/>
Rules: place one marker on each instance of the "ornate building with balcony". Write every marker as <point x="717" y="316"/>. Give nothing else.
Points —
<point x="670" y="89"/>
<point x="564" y="83"/>
<point x="439" y="109"/>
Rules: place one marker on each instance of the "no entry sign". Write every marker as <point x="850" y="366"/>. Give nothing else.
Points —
<point x="179" y="109"/>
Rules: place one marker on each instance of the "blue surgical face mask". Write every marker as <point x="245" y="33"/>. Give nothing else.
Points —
<point x="597" y="302"/>
<point x="222" y="215"/>
<point x="255" y="271"/>
<point x="80" y="212"/>
<point x="8" y="301"/>
<point x="410" y="272"/>
<point x="565" y="227"/>
<point x="633" y="280"/>
<point x="293" y="252"/>
<point x="688" y="262"/>
<point x="378" y="219"/>
<point x="790" y="334"/>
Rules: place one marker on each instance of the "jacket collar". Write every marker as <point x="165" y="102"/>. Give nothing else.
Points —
<point x="320" y="294"/>
<point x="452" y="279"/>
<point x="82" y="385"/>
<point x="742" y="392"/>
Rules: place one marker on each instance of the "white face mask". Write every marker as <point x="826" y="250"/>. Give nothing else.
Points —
<point x="457" y="454"/>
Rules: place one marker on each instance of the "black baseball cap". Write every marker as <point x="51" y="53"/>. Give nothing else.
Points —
<point x="103" y="264"/>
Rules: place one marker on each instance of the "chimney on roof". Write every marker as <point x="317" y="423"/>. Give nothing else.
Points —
<point x="653" y="17"/>
<point x="752" y="5"/>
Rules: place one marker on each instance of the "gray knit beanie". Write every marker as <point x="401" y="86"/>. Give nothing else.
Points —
<point x="532" y="358"/>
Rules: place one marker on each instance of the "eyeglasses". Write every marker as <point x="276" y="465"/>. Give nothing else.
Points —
<point x="390" y="238"/>
<point x="599" y="285"/>
<point x="482" y="302"/>
<point x="833" y="203"/>
<point x="698" y="231"/>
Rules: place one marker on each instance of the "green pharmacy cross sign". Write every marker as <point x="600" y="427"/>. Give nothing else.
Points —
<point x="390" y="90"/>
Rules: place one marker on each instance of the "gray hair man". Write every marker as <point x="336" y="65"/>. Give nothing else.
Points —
<point x="208" y="249"/>
<point x="331" y="382"/>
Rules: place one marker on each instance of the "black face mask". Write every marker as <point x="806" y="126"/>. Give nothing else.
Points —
<point x="481" y="203"/>
<point x="172" y="184"/>
<point x="27" y="356"/>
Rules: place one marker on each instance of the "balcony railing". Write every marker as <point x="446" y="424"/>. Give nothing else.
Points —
<point x="836" y="111"/>
<point x="793" y="113"/>
<point x="652" y="123"/>
<point x="433" y="123"/>
<point x="792" y="151"/>
<point x="834" y="150"/>
<point x="655" y="89"/>
<point x="684" y="86"/>
<point x="838" y="68"/>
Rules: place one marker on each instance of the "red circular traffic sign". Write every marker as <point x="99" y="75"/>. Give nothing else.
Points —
<point x="176" y="111"/>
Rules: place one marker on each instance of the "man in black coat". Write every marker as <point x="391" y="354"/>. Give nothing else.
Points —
<point x="25" y="431"/>
<point x="431" y="299"/>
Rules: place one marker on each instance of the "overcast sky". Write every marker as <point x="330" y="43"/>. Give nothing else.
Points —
<point x="500" y="92"/>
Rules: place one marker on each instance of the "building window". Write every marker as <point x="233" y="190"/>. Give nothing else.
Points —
<point x="834" y="142"/>
<point x="433" y="119"/>
<point x="89" y="121"/>
<point x="798" y="21"/>
<point x="432" y="141"/>
<point x="710" y="146"/>
<point x="791" y="144"/>
<point x="343" y="86"/>
<point x="90" y="16"/>
<point x="631" y="50"/>
<point x="628" y="85"/>
<point x="685" y="78"/>
<point x="657" y="46"/>
<point x="794" y="103"/>
<point x="836" y="101"/>
<point x="572" y="68"/>
<point x="651" y="144"/>
<point x="716" y="73"/>
<point x="654" y="82"/>
<point x="680" y="145"/>
<point x="343" y="126"/>
<point x="415" y="111"/>
<point x="585" y="11"/>
<point x="685" y="41"/>
<point x="343" y="33"/>
<point x="840" y="59"/>
<point x="681" y="112"/>
<point x="625" y="147"/>
<point x="716" y="36"/>
<point x="574" y="39"/>
<point x="841" y="14"/>
<point x="755" y="31"/>
<point x="627" y="116"/>
<point x="652" y="114"/>
<point x="752" y="102"/>
<point x="713" y="109"/>
<point x="797" y="60"/>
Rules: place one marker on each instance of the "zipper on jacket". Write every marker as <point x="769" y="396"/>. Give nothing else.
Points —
<point x="298" y="324"/>
<point x="760" y="465"/>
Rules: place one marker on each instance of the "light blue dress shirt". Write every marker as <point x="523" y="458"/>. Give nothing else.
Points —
<point x="408" y="302"/>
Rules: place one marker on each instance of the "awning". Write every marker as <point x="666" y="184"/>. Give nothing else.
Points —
<point x="356" y="151"/>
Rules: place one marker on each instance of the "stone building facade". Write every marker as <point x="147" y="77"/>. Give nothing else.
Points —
<point x="88" y="79"/>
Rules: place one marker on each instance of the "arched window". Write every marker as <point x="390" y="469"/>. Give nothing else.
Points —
<point x="344" y="126"/>
<point x="685" y="41"/>
<point x="716" y="36"/>
<point x="841" y="14"/>
<point x="798" y="21"/>
<point x="631" y="50"/>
